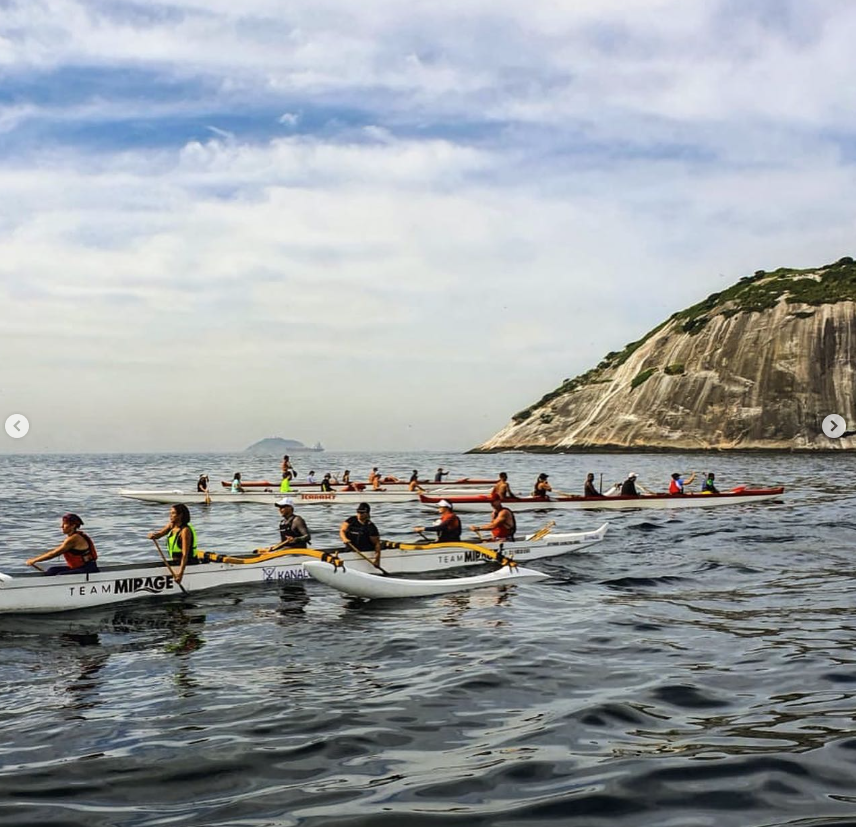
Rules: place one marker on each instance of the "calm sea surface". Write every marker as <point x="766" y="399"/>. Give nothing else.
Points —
<point x="697" y="668"/>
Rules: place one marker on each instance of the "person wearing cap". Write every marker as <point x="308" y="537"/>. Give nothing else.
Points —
<point x="501" y="488"/>
<point x="447" y="526"/>
<point x="589" y="489"/>
<point x="202" y="483"/>
<point x="438" y="477"/>
<point x="502" y="525"/>
<point x="326" y="482"/>
<point x="293" y="532"/>
<point x="77" y="548"/>
<point x="628" y="487"/>
<point x="359" y="533"/>
<point x="180" y="539"/>
<point x="542" y="488"/>
<point x="677" y="483"/>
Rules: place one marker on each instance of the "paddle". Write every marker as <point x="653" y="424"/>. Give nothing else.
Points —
<point x="372" y="562"/>
<point x="171" y="570"/>
<point x="542" y="532"/>
<point x="37" y="567"/>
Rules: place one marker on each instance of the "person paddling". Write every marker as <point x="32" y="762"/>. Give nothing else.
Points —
<point x="542" y="488"/>
<point x="502" y="525"/>
<point x="709" y="487"/>
<point x="237" y="486"/>
<point x="180" y="539"/>
<point x="678" y="483"/>
<point x="359" y="533"/>
<point x="589" y="490"/>
<point x="293" y="532"/>
<point x="447" y="526"/>
<point x="501" y="488"/>
<point x="77" y="548"/>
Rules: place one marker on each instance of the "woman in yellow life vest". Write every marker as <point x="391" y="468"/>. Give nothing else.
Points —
<point x="181" y="539"/>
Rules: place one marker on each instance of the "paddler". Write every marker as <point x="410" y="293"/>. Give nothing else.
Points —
<point x="293" y="532"/>
<point x="77" y="548"/>
<point x="202" y="483"/>
<point x="180" y="539"/>
<point x="501" y="488"/>
<point x="502" y="525"/>
<point x="447" y="526"/>
<point x="359" y="533"/>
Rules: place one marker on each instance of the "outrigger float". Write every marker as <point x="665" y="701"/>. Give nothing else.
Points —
<point x="33" y="592"/>
<point x="481" y="503"/>
<point x="363" y="584"/>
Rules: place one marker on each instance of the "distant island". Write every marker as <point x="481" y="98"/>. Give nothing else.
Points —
<point x="277" y="445"/>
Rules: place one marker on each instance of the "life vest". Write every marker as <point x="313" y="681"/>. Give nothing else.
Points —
<point x="285" y="485"/>
<point x="503" y="532"/>
<point x="174" y="546"/>
<point x="449" y="530"/>
<point x="360" y="534"/>
<point x="675" y="488"/>
<point x="76" y="559"/>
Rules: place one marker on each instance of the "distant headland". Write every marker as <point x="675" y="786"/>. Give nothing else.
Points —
<point x="277" y="445"/>
<point x="755" y="367"/>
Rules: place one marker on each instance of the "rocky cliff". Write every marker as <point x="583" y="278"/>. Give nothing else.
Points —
<point x="755" y="367"/>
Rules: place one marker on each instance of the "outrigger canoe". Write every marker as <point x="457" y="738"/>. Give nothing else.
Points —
<point x="464" y="482"/>
<point x="362" y="584"/>
<point x="300" y="498"/>
<point x="481" y="503"/>
<point x="34" y="592"/>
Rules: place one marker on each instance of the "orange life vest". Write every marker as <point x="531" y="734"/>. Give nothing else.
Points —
<point x="77" y="559"/>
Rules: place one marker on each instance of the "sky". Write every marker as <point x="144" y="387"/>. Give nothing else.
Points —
<point x="385" y="225"/>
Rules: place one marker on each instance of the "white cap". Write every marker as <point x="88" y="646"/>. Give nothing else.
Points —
<point x="632" y="474"/>
<point x="444" y="504"/>
<point x="284" y="501"/>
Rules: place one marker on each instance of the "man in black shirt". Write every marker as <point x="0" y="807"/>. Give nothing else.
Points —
<point x="293" y="532"/>
<point x="359" y="533"/>
<point x="628" y="487"/>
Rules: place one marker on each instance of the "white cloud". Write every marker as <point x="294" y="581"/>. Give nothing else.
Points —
<point x="486" y="196"/>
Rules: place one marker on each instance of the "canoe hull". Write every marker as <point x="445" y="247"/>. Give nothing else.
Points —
<point x="258" y="497"/>
<point x="481" y="504"/>
<point x="35" y="593"/>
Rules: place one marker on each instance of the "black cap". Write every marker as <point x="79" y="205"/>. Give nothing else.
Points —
<point x="364" y="507"/>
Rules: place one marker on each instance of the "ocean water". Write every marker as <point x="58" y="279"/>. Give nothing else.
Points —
<point x="696" y="668"/>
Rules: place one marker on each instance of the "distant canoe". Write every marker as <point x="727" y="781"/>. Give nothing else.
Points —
<point x="481" y="503"/>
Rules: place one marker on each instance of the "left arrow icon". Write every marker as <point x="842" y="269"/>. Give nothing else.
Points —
<point x="17" y="426"/>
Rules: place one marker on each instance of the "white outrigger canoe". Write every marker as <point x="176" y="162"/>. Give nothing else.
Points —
<point x="35" y="593"/>
<point x="262" y="497"/>
<point x="481" y="503"/>
<point x="363" y="584"/>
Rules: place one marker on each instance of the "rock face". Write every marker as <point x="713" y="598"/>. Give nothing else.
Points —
<point x="755" y="367"/>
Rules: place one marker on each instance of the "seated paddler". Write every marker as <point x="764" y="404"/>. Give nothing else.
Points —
<point x="77" y="548"/>
<point x="447" y="526"/>
<point x="180" y="540"/>
<point x="293" y="531"/>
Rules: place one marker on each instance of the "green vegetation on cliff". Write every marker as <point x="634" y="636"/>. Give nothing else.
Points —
<point x="752" y="294"/>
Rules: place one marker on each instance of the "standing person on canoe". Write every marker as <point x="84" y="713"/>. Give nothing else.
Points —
<point x="448" y="526"/>
<point x="288" y="468"/>
<point x="589" y="489"/>
<point x="502" y="525"/>
<point x="77" y="548"/>
<point x="542" y="488"/>
<point x="501" y="488"/>
<point x="359" y="533"/>
<point x="438" y="477"/>
<point x="293" y="532"/>
<point x="180" y="539"/>
<point x="678" y="483"/>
